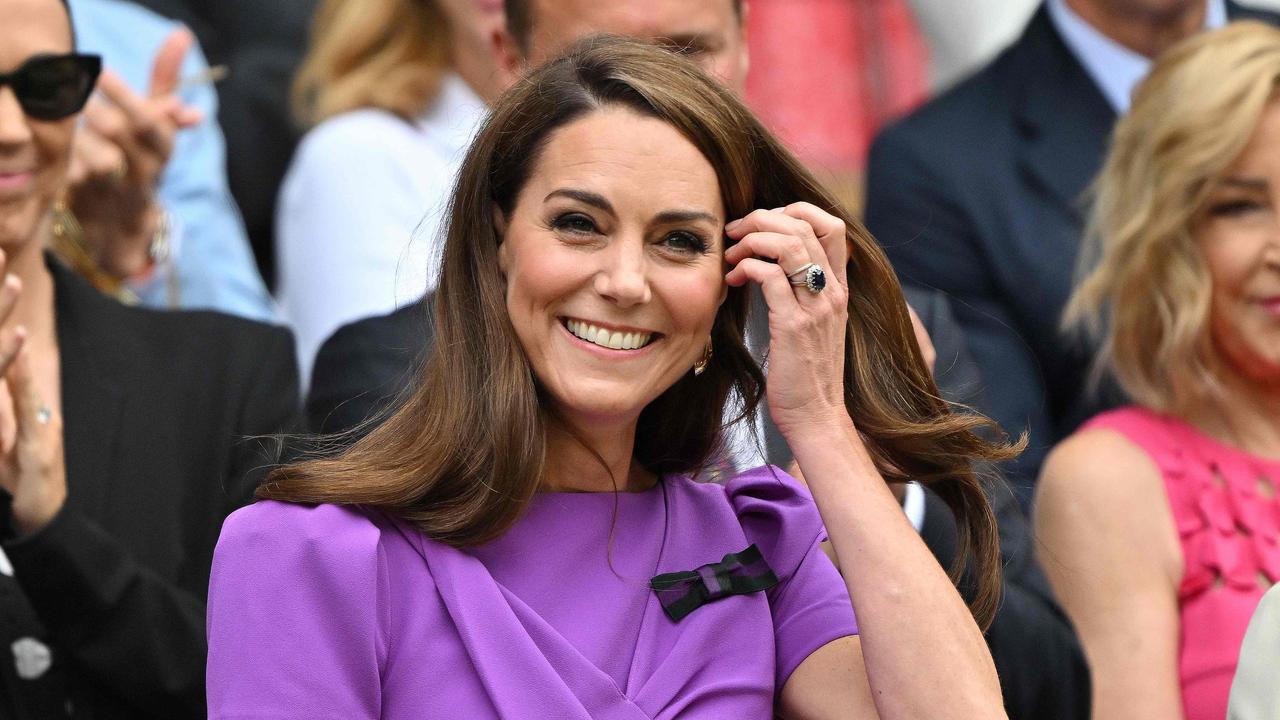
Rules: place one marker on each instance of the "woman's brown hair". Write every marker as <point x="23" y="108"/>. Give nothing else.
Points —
<point x="463" y="455"/>
<point x="384" y="54"/>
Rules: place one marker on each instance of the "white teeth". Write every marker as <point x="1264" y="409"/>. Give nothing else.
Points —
<point x="604" y="338"/>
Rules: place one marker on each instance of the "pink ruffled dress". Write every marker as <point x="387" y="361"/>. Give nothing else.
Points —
<point x="1226" y="512"/>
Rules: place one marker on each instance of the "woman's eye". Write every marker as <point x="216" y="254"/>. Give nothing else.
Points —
<point x="685" y="242"/>
<point x="1233" y="208"/>
<point x="574" y="223"/>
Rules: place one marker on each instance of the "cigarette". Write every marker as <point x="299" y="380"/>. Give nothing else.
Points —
<point x="208" y="76"/>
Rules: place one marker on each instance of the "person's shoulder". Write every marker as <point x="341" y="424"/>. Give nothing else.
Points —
<point x="1101" y="466"/>
<point x="330" y="534"/>
<point x="972" y="104"/>
<point x="357" y="131"/>
<point x="405" y="328"/>
<point x="212" y="333"/>
<point x="776" y="512"/>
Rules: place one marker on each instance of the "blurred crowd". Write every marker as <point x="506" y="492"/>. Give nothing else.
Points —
<point x="223" y="224"/>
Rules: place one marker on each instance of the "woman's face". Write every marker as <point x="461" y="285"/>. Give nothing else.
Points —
<point x="613" y="257"/>
<point x="1239" y="235"/>
<point x="34" y="154"/>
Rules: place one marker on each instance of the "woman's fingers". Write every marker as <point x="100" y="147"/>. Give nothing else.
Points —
<point x="32" y="414"/>
<point x="788" y="251"/>
<point x="10" y="289"/>
<point x="820" y="234"/>
<point x="140" y="121"/>
<point x="778" y="293"/>
<point x="831" y="234"/>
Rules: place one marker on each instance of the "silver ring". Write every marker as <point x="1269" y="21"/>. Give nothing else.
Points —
<point x="810" y="276"/>
<point x="44" y="414"/>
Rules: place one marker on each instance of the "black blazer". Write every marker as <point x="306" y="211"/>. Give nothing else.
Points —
<point x="979" y="193"/>
<point x="159" y="411"/>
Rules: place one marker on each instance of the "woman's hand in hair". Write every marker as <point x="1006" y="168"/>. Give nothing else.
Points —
<point x="120" y="152"/>
<point x="807" y="329"/>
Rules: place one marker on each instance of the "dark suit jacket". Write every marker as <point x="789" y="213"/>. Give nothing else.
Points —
<point x="362" y="368"/>
<point x="980" y="194"/>
<point x="159" y="410"/>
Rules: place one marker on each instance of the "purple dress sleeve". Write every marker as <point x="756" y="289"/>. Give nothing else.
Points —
<point x="810" y="605"/>
<point x="298" y="607"/>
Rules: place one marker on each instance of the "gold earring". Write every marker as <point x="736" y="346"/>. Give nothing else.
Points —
<point x="701" y="366"/>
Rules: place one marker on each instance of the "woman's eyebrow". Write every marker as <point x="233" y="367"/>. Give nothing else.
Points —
<point x="671" y="217"/>
<point x="584" y="196"/>
<point x="1246" y="183"/>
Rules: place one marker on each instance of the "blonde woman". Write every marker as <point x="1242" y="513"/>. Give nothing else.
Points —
<point x="392" y="90"/>
<point x="1159" y="520"/>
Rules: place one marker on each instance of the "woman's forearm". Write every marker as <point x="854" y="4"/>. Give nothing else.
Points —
<point x="925" y="656"/>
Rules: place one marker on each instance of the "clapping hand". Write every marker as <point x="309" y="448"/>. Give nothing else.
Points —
<point x="120" y="152"/>
<point x="32" y="469"/>
<point x="808" y="309"/>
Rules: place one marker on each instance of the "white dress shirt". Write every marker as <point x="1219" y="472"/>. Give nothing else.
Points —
<point x="361" y="223"/>
<point x="1114" y="68"/>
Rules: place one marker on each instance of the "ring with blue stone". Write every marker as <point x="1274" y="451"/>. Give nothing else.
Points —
<point x="810" y="276"/>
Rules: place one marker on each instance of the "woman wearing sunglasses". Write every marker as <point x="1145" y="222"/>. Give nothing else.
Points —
<point x="121" y="433"/>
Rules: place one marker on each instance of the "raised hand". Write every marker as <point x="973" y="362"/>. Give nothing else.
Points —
<point x="31" y="462"/>
<point x="120" y="152"/>
<point x="806" y="327"/>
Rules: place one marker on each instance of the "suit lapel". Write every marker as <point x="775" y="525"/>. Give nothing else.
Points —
<point x="1063" y="119"/>
<point x="91" y="400"/>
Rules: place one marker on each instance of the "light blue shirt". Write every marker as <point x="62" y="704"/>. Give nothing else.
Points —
<point x="1114" y="68"/>
<point x="211" y="257"/>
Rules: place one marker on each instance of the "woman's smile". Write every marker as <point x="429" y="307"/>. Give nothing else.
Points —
<point x="614" y="264"/>
<point x="611" y="337"/>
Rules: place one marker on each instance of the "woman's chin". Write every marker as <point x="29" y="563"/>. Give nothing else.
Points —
<point x="18" y="226"/>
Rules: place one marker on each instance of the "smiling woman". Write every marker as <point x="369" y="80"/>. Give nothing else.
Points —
<point x="1158" y="521"/>
<point x="530" y="516"/>
<point x="120" y="431"/>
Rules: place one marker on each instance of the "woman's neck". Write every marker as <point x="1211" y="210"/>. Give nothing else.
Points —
<point x="573" y="461"/>
<point x="34" y="309"/>
<point x="1246" y="415"/>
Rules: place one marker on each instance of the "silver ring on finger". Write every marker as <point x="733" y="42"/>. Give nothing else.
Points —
<point x="44" y="414"/>
<point x="811" y="277"/>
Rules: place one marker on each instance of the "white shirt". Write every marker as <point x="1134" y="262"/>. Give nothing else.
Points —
<point x="1114" y="68"/>
<point x="360" y="223"/>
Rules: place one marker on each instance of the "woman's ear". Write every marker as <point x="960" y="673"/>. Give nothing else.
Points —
<point x="499" y="231"/>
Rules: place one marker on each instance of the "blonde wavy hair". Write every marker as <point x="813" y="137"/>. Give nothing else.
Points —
<point x="385" y="54"/>
<point x="1144" y="291"/>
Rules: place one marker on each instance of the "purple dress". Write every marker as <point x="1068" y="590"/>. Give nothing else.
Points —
<point x="341" y="613"/>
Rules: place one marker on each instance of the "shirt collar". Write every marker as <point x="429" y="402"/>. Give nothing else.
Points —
<point x="1114" y="68"/>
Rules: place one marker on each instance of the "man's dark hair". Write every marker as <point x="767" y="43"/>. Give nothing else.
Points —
<point x="520" y="20"/>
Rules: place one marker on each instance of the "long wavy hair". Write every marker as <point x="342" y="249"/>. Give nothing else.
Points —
<point x="386" y="54"/>
<point x="1145" y="291"/>
<point x="461" y="458"/>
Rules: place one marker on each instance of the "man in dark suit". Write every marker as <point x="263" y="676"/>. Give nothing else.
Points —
<point x="980" y="194"/>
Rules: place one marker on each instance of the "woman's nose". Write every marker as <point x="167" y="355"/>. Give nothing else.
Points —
<point x="14" y="126"/>
<point x="623" y="276"/>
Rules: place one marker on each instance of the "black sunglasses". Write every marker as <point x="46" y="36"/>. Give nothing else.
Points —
<point x="53" y="87"/>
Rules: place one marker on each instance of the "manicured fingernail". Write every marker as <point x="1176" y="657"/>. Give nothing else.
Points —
<point x="732" y="225"/>
<point x="779" y="209"/>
